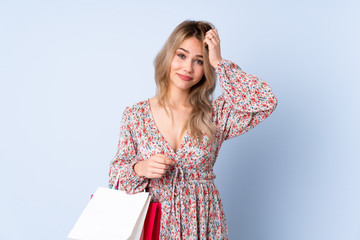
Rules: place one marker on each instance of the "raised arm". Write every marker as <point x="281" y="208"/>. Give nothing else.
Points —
<point x="125" y="159"/>
<point x="246" y="100"/>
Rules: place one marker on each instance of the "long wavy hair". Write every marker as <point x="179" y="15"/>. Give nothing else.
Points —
<point x="200" y="119"/>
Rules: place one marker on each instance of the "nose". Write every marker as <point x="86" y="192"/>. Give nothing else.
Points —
<point x="188" y="65"/>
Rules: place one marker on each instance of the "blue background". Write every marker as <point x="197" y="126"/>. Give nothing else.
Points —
<point x="69" y="68"/>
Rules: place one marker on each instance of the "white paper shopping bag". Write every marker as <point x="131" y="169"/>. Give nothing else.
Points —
<point x="112" y="215"/>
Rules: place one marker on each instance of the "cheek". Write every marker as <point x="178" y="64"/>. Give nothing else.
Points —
<point x="174" y="65"/>
<point x="200" y="72"/>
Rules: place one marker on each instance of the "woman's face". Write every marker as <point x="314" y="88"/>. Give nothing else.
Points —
<point x="186" y="68"/>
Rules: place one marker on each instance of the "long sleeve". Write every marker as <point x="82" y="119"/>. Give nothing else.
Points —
<point x="125" y="159"/>
<point x="246" y="100"/>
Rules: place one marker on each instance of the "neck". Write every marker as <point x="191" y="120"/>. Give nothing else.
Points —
<point x="178" y="98"/>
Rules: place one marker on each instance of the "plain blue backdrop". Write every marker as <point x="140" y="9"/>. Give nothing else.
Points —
<point x="69" y="68"/>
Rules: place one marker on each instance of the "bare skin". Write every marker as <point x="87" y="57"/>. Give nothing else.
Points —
<point x="187" y="62"/>
<point x="163" y="122"/>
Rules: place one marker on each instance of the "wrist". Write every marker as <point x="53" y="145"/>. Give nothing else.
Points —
<point x="137" y="169"/>
<point x="217" y="62"/>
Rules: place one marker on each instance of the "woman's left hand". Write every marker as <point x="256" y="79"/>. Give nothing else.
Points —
<point x="213" y="42"/>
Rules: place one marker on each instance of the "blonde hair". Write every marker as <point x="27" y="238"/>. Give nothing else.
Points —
<point x="200" y="119"/>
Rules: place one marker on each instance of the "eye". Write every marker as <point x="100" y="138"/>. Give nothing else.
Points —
<point x="199" y="62"/>
<point x="181" y="55"/>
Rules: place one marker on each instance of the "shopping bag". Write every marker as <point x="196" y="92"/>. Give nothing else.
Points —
<point x="151" y="230"/>
<point x="112" y="215"/>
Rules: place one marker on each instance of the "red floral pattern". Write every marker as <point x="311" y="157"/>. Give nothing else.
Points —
<point x="191" y="204"/>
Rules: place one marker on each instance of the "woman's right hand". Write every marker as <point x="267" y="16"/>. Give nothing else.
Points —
<point x="153" y="167"/>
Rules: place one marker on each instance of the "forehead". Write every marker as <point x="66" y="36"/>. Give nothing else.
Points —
<point x="193" y="45"/>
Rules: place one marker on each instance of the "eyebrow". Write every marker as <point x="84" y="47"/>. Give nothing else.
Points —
<point x="201" y="56"/>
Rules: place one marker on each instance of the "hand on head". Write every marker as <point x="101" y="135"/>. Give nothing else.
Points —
<point x="212" y="41"/>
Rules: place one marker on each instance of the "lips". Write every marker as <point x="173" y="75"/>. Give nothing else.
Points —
<point x="185" y="78"/>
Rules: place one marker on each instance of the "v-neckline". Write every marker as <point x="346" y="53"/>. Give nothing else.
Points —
<point x="161" y="135"/>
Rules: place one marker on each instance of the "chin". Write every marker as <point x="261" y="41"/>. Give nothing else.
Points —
<point x="184" y="85"/>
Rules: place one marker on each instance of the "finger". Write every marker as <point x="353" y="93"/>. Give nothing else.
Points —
<point x="213" y="39"/>
<point x="209" y="35"/>
<point x="209" y="42"/>
<point x="155" y="176"/>
<point x="163" y="156"/>
<point x="167" y="162"/>
<point x="164" y="160"/>
<point x="170" y="161"/>
<point x="212" y="32"/>
<point x="215" y="34"/>
<point x="156" y="165"/>
<point x="160" y="157"/>
<point x="158" y="171"/>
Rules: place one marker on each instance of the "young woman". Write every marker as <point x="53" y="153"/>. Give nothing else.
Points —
<point x="169" y="143"/>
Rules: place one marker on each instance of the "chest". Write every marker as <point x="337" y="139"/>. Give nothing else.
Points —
<point x="171" y="127"/>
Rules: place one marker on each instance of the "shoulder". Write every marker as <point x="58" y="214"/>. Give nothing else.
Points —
<point x="137" y="109"/>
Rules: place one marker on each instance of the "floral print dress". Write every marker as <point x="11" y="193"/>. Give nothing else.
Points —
<point x="190" y="202"/>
